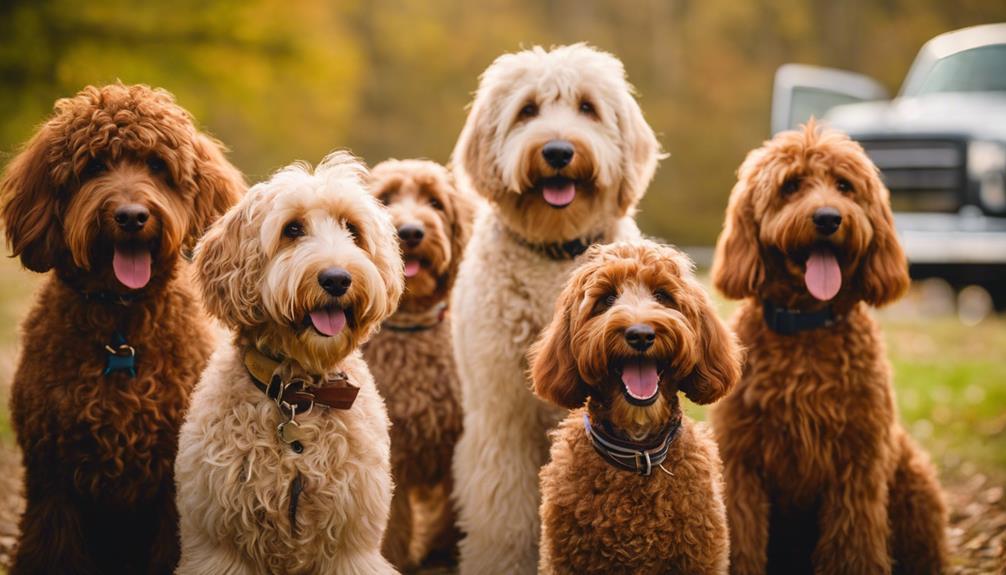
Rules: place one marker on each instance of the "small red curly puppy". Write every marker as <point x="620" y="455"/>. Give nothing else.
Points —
<point x="411" y="358"/>
<point x="820" y="476"/>
<point x="108" y="193"/>
<point x="633" y="486"/>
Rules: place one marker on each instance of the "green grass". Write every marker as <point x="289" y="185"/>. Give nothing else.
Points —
<point x="17" y="288"/>
<point x="951" y="386"/>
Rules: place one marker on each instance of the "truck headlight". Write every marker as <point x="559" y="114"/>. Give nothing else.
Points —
<point x="987" y="166"/>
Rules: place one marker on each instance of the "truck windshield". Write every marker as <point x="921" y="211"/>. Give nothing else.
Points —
<point x="975" y="70"/>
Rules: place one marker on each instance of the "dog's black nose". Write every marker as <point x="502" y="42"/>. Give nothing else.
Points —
<point x="827" y="220"/>
<point x="335" y="280"/>
<point x="132" y="217"/>
<point x="411" y="234"/>
<point x="558" y="153"/>
<point x="640" y="336"/>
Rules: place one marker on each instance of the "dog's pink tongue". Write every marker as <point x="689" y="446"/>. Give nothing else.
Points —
<point x="131" y="267"/>
<point x="559" y="196"/>
<point x="823" y="276"/>
<point x="329" y="320"/>
<point x="411" y="268"/>
<point x="640" y="378"/>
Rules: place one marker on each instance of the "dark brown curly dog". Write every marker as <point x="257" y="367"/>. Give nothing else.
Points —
<point x="633" y="486"/>
<point x="108" y="193"/>
<point x="820" y="476"/>
<point x="411" y="358"/>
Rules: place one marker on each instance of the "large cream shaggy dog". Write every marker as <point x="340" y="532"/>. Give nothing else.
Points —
<point x="303" y="270"/>
<point x="558" y="146"/>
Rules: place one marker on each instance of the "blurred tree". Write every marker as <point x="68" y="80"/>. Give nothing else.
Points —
<point x="279" y="81"/>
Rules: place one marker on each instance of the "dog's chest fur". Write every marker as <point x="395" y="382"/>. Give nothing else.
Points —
<point x="808" y="403"/>
<point x="598" y="519"/>
<point x="237" y="475"/>
<point x="416" y="375"/>
<point x="111" y="438"/>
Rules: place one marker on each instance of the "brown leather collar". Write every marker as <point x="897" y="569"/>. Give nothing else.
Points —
<point x="294" y="387"/>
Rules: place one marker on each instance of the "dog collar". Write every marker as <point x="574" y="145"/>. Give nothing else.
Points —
<point x="298" y="388"/>
<point x="414" y="322"/>
<point x="629" y="455"/>
<point x="558" y="250"/>
<point x="790" y="321"/>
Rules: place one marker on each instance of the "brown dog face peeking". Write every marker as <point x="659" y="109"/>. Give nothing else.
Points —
<point x="433" y="221"/>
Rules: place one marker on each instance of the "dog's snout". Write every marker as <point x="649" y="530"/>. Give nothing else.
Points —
<point x="640" y="336"/>
<point x="827" y="220"/>
<point x="132" y="217"/>
<point x="411" y="234"/>
<point x="558" y="153"/>
<point x="335" y="281"/>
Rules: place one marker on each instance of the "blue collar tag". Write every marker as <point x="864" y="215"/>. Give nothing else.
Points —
<point x="121" y="356"/>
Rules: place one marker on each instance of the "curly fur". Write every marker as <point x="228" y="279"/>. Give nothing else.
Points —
<point x="505" y="291"/>
<point x="820" y="476"/>
<point x="599" y="519"/>
<point x="415" y="371"/>
<point x="234" y="474"/>
<point x="99" y="450"/>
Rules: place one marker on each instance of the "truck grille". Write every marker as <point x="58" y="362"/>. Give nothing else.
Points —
<point x="922" y="175"/>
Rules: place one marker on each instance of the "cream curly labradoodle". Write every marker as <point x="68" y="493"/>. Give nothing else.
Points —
<point x="283" y="458"/>
<point x="558" y="146"/>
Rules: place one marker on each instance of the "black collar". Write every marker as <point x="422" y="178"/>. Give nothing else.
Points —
<point x="790" y="321"/>
<point x="629" y="455"/>
<point x="559" y="251"/>
<point x="110" y="297"/>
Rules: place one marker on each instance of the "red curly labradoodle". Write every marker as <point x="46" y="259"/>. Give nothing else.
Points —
<point x="633" y="486"/>
<point x="820" y="476"/>
<point x="109" y="193"/>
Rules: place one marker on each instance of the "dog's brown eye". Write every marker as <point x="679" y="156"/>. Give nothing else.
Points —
<point x="435" y="204"/>
<point x="604" y="303"/>
<point x="790" y="186"/>
<point x="844" y="186"/>
<point x="293" y="230"/>
<point x="353" y="231"/>
<point x="587" y="108"/>
<point x="156" y="165"/>
<point x="93" y="168"/>
<point x="529" y="111"/>
<point x="662" y="297"/>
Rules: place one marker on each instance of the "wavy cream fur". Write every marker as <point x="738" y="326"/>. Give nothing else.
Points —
<point x="233" y="474"/>
<point x="505" y="292"/>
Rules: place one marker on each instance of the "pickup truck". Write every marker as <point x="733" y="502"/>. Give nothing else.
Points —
<point x="940" y="145"/>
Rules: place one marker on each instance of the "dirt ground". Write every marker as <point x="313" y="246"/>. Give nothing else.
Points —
<point x="977" y="521"/>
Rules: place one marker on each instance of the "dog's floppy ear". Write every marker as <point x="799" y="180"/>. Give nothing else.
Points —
<point x="229" y="265"/>
<point x="737" y="267"/>
<point x="219" y="185"/>
<point x="553" y="367"/>
<point x="640" y="152"/>
<point x="883" y="274"/>
<point x="719" y="363"/>
<point x="30" y="198"/>
<point x="474" y="145"/>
